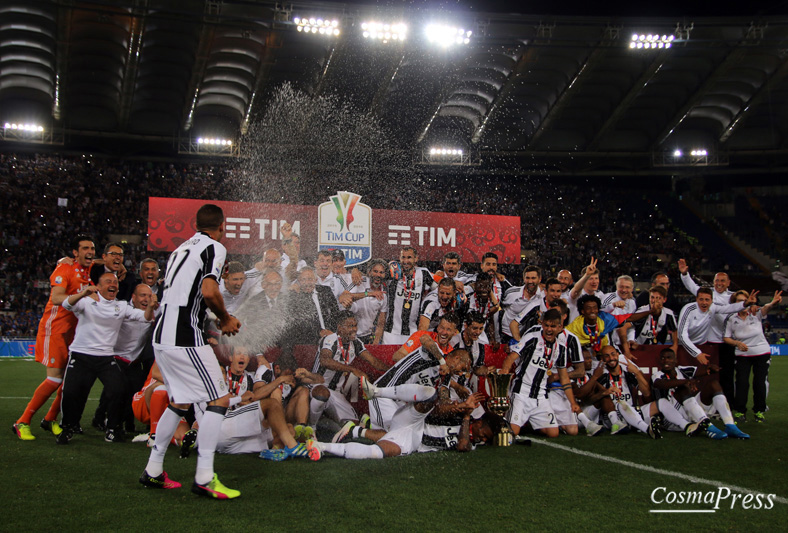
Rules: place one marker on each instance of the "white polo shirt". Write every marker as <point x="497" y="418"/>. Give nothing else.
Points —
<point x="99" y="324"/>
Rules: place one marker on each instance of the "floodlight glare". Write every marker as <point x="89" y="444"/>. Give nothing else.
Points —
<point x="384" y="32"/>
<point x="445" y="36"/>
<point x="329" y="28"/>
<point x="677" y="153"/>
<point x="31" y="128"/>
<point x="650" y="41"/>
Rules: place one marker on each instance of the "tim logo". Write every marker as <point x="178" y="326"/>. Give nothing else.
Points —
<point x="345" y="223"/>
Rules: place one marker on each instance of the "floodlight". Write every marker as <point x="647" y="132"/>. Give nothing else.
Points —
<point x="677" y="153"/>
<point x="384" y="32"/>
<point x="650" y="41"/>
<point x="327" y="27"/>
<point x="445" y="36"/>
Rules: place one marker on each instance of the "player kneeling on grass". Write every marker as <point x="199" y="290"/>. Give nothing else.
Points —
<point x="407" y="425"/>
<point x="624" y="402"/>
<point x="253" y="422"/>
<point x="696" y="393"/>
<point x="536" y="355"/>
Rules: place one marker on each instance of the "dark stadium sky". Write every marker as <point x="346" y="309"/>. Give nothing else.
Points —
<point x="632" y="8"/>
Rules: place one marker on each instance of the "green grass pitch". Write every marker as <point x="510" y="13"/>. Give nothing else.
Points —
<point x="91" y="485"/>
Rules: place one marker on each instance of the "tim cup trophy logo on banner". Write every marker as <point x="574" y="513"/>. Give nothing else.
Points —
<point x="346" y="223"/>
<point x="498" y="402"/>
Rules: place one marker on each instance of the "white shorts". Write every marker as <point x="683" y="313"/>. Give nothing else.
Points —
<point x="192" y="375"/>
<point x="381" y="411"/>
<point x="394" y="339"/>
<point x="242" y="430"/>
<point x="562" y="408"/>
<point x="338" y="408"/>
<point x="524" y="409"/>
<point x="407" y="427"/>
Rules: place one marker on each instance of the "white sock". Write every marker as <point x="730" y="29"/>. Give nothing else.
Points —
<point x="583" y="419"/>
<point x="671" y="414"/>
<point x="592" y="413"/>
<point x="614" y="418"/>
<point x="410" y="392"/>
<point x="632" y="417"/>
<point x="316" y="408"/>
<point x="354" y="450"/>
<point x="358" y="432"/>
<point x="722" y="407"/>
<point x="694" y="410"/>
<point x="168" y="423"/>
<point x="207" y="439"/>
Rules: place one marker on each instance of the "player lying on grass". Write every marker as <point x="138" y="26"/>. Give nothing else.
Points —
<point x="419" y="361"/>
<point x="696" y="393"/>
<point x="406" y="427"/>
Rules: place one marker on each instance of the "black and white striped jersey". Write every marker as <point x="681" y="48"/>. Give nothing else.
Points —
<point x="475" y="349"/>
<point x="419" y="367"/>
<point x="574" y="352"/>
<point x="653" y="330"/>
<point x="182" y="306"/>
<point x="682" y="372"/>
<point x="626" y="382"/>
<point x="538" y="359"/>
<point x="405" y="296"/>
<point x="340" y="352"/>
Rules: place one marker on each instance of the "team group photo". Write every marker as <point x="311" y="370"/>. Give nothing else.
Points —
<point x="430" y="267"/>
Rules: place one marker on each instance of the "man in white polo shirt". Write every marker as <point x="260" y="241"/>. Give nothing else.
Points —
<point x="91" y="354"/>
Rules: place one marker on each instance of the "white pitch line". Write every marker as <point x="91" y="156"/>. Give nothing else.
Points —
<point x="686" y="477"/>
<point x="28" y="397"/>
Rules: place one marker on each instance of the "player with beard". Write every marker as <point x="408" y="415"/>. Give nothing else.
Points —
<point x="55" y="333"/>
<point x="406" y="289"/>
<point x="536" y="356"/>
<point x="445" y="302"/>
<point x="624" y="402"/>
<point x="518" y="300"/>
<point x="468" y="340"/>
<point x="529" y="316"/>
<point x="420" y="360"/>
<point x="485" y="301"/>
<point x="451" y="268"/>
<point x="695" y="393"/>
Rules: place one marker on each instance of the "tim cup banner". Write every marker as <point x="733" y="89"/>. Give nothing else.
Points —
<point x="344" y="222"/>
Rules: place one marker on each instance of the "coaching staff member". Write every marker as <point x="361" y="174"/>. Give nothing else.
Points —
<point x="91" y="354"/>
<point x="188" y="365"/>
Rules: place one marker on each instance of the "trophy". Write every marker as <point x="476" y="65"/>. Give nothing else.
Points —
<point x="498" y="403"/>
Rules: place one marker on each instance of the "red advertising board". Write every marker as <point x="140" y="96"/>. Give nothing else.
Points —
<point x="251" y="228"/>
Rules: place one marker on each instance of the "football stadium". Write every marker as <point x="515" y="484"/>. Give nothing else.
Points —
<point x="472" y="265"/>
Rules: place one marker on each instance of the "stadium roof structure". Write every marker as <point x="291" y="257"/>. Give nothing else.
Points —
<point x="576" y="94"/>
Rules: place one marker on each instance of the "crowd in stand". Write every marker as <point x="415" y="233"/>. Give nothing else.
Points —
<point x="54" y="197"/>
